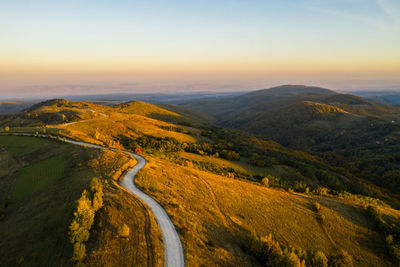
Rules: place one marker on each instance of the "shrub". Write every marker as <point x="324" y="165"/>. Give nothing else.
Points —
<point x="79" y="252"/>
<point x="265" y="181"/>
<point x="138" y="151"/>
<point x="319" y="259"/>
<point x="290" y="258"/>
<point x="124" y="230"/>
<point x="153" y="189"/>
<point x="321" y="217"/>
<point x="188" y="163"/>
<point x="322" y="191"/>
<point x="317" y="206"/>
<point x="341" y="259"/>
<point x="389" y="239"/>
<point x="394" y="251"/>
<point x="98" y="200"/>
<point x="96" y="187"/>
<point x="270" y="253"/>
<point x="78" y="233"/>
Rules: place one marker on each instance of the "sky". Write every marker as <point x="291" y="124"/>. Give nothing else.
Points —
<point x="97" y="46"/>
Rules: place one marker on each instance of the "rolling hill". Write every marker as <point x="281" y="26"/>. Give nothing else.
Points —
<point x="230" y="194"/>
<point x="347" y="131"/>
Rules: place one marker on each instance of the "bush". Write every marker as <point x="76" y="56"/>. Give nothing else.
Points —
<point x="394" y="251"/>
<point x="188" y="163"/>
<point x="270" y="253"/>
<point x="389" y="239"/>
<point x="341" y="259"/>
<point x="77" y="232"/>
<point x="84" y="217"/>
<point x="124" y="230"/>
<point x="79" y="252"/>
<point x="319" y="259"/>
<point x="96" y="187"/>
<point x="320" y="217"/>
<point x="322" y="191"/>
<point x="265" y="181"/>
<point x="98" y="200"/>
<point x="317" y="206"/>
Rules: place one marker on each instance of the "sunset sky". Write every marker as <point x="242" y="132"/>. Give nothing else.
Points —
<point x="219" y="44"/>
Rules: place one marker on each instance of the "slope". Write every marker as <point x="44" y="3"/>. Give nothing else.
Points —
<point x="40" y="182"/>
<point x="349" y="132"/>
<point x="215" y="215"/>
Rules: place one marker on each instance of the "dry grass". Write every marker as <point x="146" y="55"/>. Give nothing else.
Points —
<point x="240" y="166"/>
<point x="208" y="207"/>
<point x="142" y="247"/>
<point x="118" y="125"/>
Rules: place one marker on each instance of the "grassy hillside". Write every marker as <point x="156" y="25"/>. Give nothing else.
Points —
<point x="35" y="222"/>
<point x="346" y="131"/>
<point x="294" y="168"/>
<point x="227" y="190"/>
<point x="215" y="214"/>
<point x="40" y="181"/>
<point x="145" y="109"/>
<point x="192" y="115"/>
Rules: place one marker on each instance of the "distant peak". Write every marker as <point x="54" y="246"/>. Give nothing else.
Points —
<point x="289" y="89"/>
<point x="59" y="102"/>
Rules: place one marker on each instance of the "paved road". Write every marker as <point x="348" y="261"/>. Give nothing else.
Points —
<point x="94" y="119"/>
<point x="173" y="249"/>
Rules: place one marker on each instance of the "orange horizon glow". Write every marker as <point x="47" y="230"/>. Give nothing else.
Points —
<point x="71" y="41"/>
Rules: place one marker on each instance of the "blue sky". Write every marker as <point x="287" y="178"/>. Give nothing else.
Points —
<point x="45" y="42"/>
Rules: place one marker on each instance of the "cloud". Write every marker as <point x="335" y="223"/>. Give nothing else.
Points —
<point x="392" y="9"/>
<point x="382" y="14"/>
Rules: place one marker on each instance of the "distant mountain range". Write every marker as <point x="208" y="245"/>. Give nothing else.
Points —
<point x="385" y="97"/>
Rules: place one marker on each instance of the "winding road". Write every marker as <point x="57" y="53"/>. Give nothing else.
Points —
<point x="173" y="249"/>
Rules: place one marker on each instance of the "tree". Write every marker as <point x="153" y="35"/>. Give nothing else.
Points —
<point x="188" y="163"/>
<point x="341" y="259"/>
<point x="96" y="187"/>
<point x="319" y="259"/>
<point x="138" y="150"/>
<point x="265" y="181"/>
<point x="79" y="252"/>
<point x="84" y="217"/>
<point x="124" y="230"/>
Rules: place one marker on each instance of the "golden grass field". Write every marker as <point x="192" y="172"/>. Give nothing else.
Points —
<point x="128" y="125"/>
<point x="143" y="246"/>
<point x="213" y="213"/>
